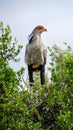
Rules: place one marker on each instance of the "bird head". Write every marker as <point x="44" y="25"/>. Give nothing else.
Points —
<point x="39" y="29"/>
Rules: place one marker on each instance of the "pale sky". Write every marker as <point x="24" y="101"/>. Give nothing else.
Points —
<point x="24" y="15"/>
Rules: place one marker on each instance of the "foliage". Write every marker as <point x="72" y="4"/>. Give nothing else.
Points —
<point x="48" y="107"/>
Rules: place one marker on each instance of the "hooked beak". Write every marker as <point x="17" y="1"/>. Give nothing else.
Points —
<point x="45" y="29"/>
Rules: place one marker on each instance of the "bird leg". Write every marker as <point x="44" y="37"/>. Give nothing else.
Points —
<point x="42" y="74"/>
<point x="30" y="73"/>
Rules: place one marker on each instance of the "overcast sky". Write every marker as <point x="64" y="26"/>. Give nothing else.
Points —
<point x="24" y="15"/>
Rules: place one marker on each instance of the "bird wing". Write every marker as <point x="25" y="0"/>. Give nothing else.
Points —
<point x="44" y="54"/>
<point x="27" y="55"/>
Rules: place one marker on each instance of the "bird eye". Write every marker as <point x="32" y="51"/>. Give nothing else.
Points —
<point x="40" y="28"/>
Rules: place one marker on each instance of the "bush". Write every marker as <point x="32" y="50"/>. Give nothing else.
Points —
<point x="47" y="108"/>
